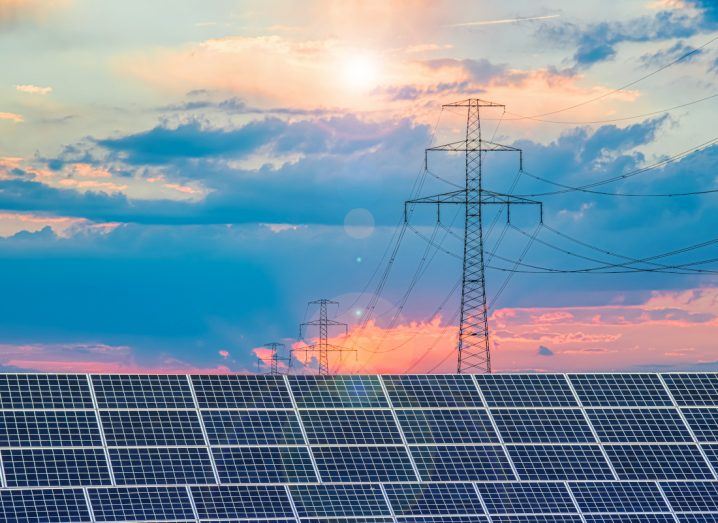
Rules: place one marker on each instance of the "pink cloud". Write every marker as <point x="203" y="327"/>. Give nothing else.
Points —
<point x="13" y="117"/>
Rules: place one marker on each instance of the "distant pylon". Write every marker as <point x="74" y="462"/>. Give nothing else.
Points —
<point x="322" y="346"/>
<point x="473" y="349"/>
<point x="275" y="358"/>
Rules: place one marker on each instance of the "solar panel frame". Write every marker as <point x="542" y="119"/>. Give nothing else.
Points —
<point x="362" y="463"/>
<point x="234" y="391"/>
<point x="658" y="461"/>
<point x="141" y="504"/>
<point x="434" y="499"/>
<point x="692" y="389"/>
<point x="614" y="496"/>
<point x="691" y="496"/>
<point x="542" y="426"/>
<point x="44" y="391"/>
<point x="353" y="500"/>
<point x="703" y="422"/>
<point x="461" y="463"/>
<point x="620" y="390"/>
<point x="559" y="462"/>
<point x="253" y="427"/>
<point x="646" y="425"/>
<point x="54" y="467"/>
<point x="241" y="501"/>
<point x="526" y="497"/>
<point x="350" y="427"/>
<point x="446" y="426"/>
<point x="151" y="428"/>
<point x="338" y="392"/>
<point x="44" y="506"/>
<point x="49" y="428"/>
<point x="142" y="391"/>
<point x="252" y="465"/>
<point x="161" y="465"/>
<point x="432" y="391"/>
<point x="629" y="518"/>
<point x="529" y="390"/>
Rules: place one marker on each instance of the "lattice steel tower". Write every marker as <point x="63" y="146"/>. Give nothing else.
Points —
<point x="473" y="349"/>
<point x="322" y="346"/>
<point x="275" y="358"/>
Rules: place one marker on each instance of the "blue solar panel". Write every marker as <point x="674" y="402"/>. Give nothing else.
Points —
<point x="639" y="425"/>
<point x="54" y="467"/>
<point x="537" y="518"/>
<point x="439" y="519"/>
<point x="241" y="392"/>
<point x="432" y="391"/>
<point x="114" y="391"/>
<point x="228" y="502"/>
<point x="252" y="427"/>
<point x="433" y="499"/>
<point x="620" y="390"/>
<point x="328" y="392"/>
<point x="341" y="427"/>
<point x="264" y="465"/>
<point x="344" y="464"/>
<point x="43" y="506"/>
<point x="608" y="496"/>
<point x="514" y="390"/>
<point x="461" y="463"/>
<point x="703" y="422"/>
<point x="127" y="428"/>
<point x="524" y="498"/>
<point x="693" y="389"/>
<point x="543" y="426"/>
<point x="630" y="518"/>
<point x="658" y="462"/>
<point x="560" y="462"/>
<point x="44" y="391"/>
<point x="339" y="500"/>
<point x="692" y="496"/>
<point x="161" y="466"/>
<point x="141" y="504"/>
<point x="712" y="454"/>
<point x="447" y="426"/>
<point x="698" y="518"/>
<point x="76" y="428"/>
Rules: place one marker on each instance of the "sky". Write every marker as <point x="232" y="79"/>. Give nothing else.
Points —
<point x="178" y="179"/>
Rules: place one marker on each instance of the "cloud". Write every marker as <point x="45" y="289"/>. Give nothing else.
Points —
<point x="504" y="21"/>
<point x="16" y="12"/>
<point x="11" y="116"/>
<point x="666" y="56"/>
<point x="544" y="351"/>
<point x="33" y="89"/>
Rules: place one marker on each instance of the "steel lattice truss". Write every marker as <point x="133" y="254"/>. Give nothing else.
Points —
<point x="500" y="448"/>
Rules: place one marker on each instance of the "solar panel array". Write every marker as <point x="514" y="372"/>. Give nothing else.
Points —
<point x="585" y="448"/>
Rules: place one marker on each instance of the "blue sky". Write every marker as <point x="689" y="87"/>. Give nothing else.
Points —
<point x="178" y="179"/>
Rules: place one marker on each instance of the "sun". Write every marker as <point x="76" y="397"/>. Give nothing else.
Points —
<point x="360" y="71"/>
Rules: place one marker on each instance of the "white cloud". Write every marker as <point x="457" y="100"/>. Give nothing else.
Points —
<point x="33" y="89"/>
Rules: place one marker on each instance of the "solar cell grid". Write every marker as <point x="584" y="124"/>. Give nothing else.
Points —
<point x="225" y="502"/>
<point x="639" y="425"/>
<point x="703" y="423"/>
<point x="693" y="389"/>
<point x="44" y="391"/>
<point x="432" y="391"/>
<point x="698" y="518"/>
<point x="620" y="390"/>
<point x="339" y="427"/>
<point x="161" y="466"/>
<point x="433" y="499"/>
<point x="692" y="496"/>
<point x="523" y="498"/>
<point x="514" y="390"/>
<point x="252" y="427"/>
<point x="141" y="504"/>
<point x="442" y="519"/>
<point x="560" y="462"/>
<point x="658" y="462"/>
<point x="43" y="506"/>
<point x="264" y="465"/>
<point x="543" y="426"/>
<point x="148" y="391"/>
<point x="54" y="467"/>
<point x="538" y="518"/>
<point x="343" y="464"/>
<point x="151" y="428"/>
<point x="49" y="429"/>
<point x="339" y="500"/>
<point x="328" y="392"/>
<point x="712" y="454"/>
<point x="461" y="463"/>
<point x="619" y="497"/>
<point x="630" y="518"/>
<point x="447" y="426"/>
<point x="241" y="392"/>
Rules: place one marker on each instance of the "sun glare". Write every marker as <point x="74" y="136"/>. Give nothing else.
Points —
<point x="360" y="71"/>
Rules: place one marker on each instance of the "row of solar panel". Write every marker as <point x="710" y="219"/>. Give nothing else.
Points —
<point x="80" y="428"/>
<point x="251" y="465"/>
<point x="352" y="501"/>
<point x="21" y="391"/>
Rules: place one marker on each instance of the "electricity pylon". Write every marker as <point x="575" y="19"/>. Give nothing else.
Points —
<point x="322" y="346"/>
<point x="473" y="349"/>
<point x="275" y="358"/>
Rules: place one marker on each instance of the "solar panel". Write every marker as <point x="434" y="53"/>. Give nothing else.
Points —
<point x="446" y="426"/>
<point x="537" y="518"/>
<point x="692" y="496"/>
<point x="341" y="427"/>
<point x="344" y="464"/>
<point x="264" y="465"/>
<point x="693" y="389"/>
<point x="515" y="390"/>
<point x="698" y="518"/>
<point x="141" y="504"/>
<point x="711" y="453"/>
<point x="560" y="462"/>
<point x="619" y="497"/>
<point x="43" y="506"/>
<point x="339" y="500"/>
<point x="439" y="519"/>
<point x="543" y="426"/>
<point x="129" y="428"/>
<point x="245" y="501"/>
<point x="44" y="391"/>
<point x="620" y="390"/>
<point x="461" y="463"/>
<point x="114" y="391"/>
<point x="161" y="466"/>
<point x="54" y="467"/>
<point x="328" y="392"/>
<point x="432" y="391"/>
<point x="433" y="499"/>
<point x="630" y="518"/>
<point x="639" y="425"/>
<point x="524" y="498"/>
<point x="252" y="427"/>
<point x="73" y="428"/>
<point x="658" y="462"/>
<point x="241" y="392"/>
<point x="703" y="422"/>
